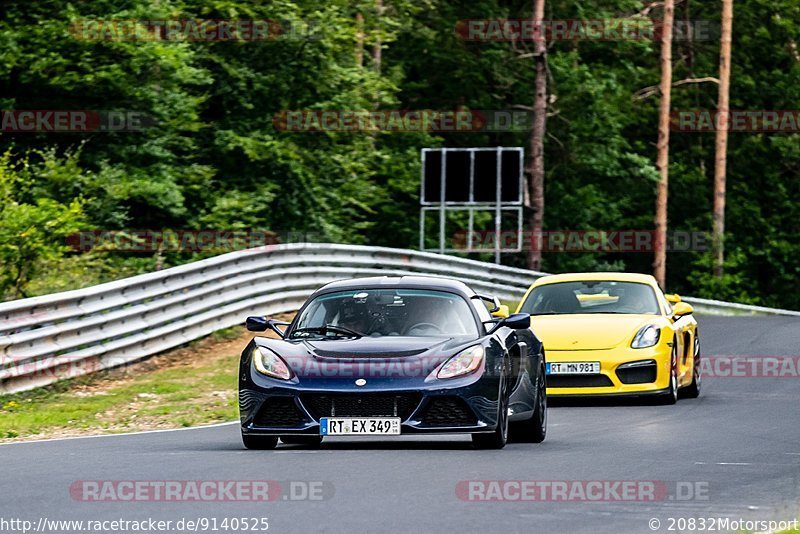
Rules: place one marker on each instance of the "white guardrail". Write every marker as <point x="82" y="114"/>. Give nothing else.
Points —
<point x="48" y="338"/>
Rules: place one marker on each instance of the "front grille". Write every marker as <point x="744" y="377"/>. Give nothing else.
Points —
<point x="448" y="411"/>
<point x="364" y="405"/>
<point x="578" y="381"/>
<point x="641" y="374"/>
<point x="278" y="411"/>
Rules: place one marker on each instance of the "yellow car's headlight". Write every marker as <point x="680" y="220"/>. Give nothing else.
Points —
<point x="647" y="336"/>
<point x="270" y="364"/>
<point x="465" y="362"/>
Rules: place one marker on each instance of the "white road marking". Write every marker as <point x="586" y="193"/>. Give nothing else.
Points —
<point x="120" y="434"/>
<point x="773" y="464"/>
<point x="724" y="463"/>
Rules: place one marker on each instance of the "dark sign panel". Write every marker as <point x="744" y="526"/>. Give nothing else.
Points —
<point x="471" y="175"/>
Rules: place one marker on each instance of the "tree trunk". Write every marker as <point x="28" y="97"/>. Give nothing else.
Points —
<point x="359" y="53"/>
<point x="720" y="157"/>
<point x="536" y="152"/>
<point x="662" y="160"/>
<point x="688" y="37"/>
<point x="377" y="49"/>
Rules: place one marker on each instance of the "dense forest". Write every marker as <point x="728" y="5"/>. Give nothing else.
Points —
<point x="211" y="155"/>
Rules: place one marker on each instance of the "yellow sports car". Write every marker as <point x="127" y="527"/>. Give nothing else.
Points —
<point x="614" y="334"/>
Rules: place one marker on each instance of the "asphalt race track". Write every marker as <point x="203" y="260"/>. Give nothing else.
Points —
<point x="737" y="446"/>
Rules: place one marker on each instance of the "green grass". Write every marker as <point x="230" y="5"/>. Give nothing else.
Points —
<point x="194" y="385"/>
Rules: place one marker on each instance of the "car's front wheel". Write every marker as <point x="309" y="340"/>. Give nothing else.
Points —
<point x="259" y="442"/>
<point x="692" y="391"/>
<point x="671" y="396"/>
<point x="499" y="437"/>
<point x="534" y="429"/>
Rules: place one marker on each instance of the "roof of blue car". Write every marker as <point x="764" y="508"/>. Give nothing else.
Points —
<point x="421" y="282"/>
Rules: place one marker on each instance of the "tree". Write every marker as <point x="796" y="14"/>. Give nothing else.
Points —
<point x="536" y="151"/>
<point x="721" y="148"/>
<point x="33" y="227"/>
<point x="662" y="160"/>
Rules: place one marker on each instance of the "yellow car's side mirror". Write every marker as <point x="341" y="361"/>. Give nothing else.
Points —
<point x="673" y="298"/>
<point x="501" y="312"/>
<point x="682" y="308"/>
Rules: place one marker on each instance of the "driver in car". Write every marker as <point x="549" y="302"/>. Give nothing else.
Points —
<point x="429" y="319"/>
<point x="355" y="316"/>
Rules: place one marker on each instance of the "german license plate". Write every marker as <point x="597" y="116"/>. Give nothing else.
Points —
<point x="359" y="426"/>
<point x="573" y="368"/>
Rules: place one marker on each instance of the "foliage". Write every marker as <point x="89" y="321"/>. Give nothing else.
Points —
<point x="215" y="160"/>
<point x="33" y="227"/>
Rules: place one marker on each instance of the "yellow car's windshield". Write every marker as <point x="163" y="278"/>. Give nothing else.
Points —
<point x="591" y="296"/>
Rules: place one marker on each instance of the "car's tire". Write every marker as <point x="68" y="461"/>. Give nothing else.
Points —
<point x="309" y="441"/>
<point x="259" y="443"/>
<point x="692" y="391"/>
<point x="534" y="429"/>
<point x="671" y="396"/>
<point x="499" y="437"/>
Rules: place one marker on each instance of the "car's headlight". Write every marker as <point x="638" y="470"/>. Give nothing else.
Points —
<point x="465" y="362"/>
<point x="647" y="336"/>
<point x="270" y="364"/>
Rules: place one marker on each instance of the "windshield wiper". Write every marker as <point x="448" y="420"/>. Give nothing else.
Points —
<point x="329" y="328"/>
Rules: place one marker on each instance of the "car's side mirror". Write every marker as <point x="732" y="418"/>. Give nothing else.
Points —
<point x="259" y="323"/>
<point x="682" y="308"/>
<point x="501" y="312"/>
<point x="256" y="323"/>
<point x="517" y="321"/>
<point x="673" y="298"/>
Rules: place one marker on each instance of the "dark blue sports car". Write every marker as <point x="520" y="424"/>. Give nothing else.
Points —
<point x="389" y="356"/>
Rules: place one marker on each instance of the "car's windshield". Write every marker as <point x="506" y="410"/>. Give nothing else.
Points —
<point x="386" y="312"/>
<point x="591" y="296"/>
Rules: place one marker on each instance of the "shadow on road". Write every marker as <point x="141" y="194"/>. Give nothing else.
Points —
<point x="577" y="402"/>
<point x="423" y="444"/>
<point x="385" y="445"/>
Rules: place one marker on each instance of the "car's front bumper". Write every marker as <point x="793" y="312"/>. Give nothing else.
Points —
<point x="609" y="381"/>
<point x="467" y="405"/>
